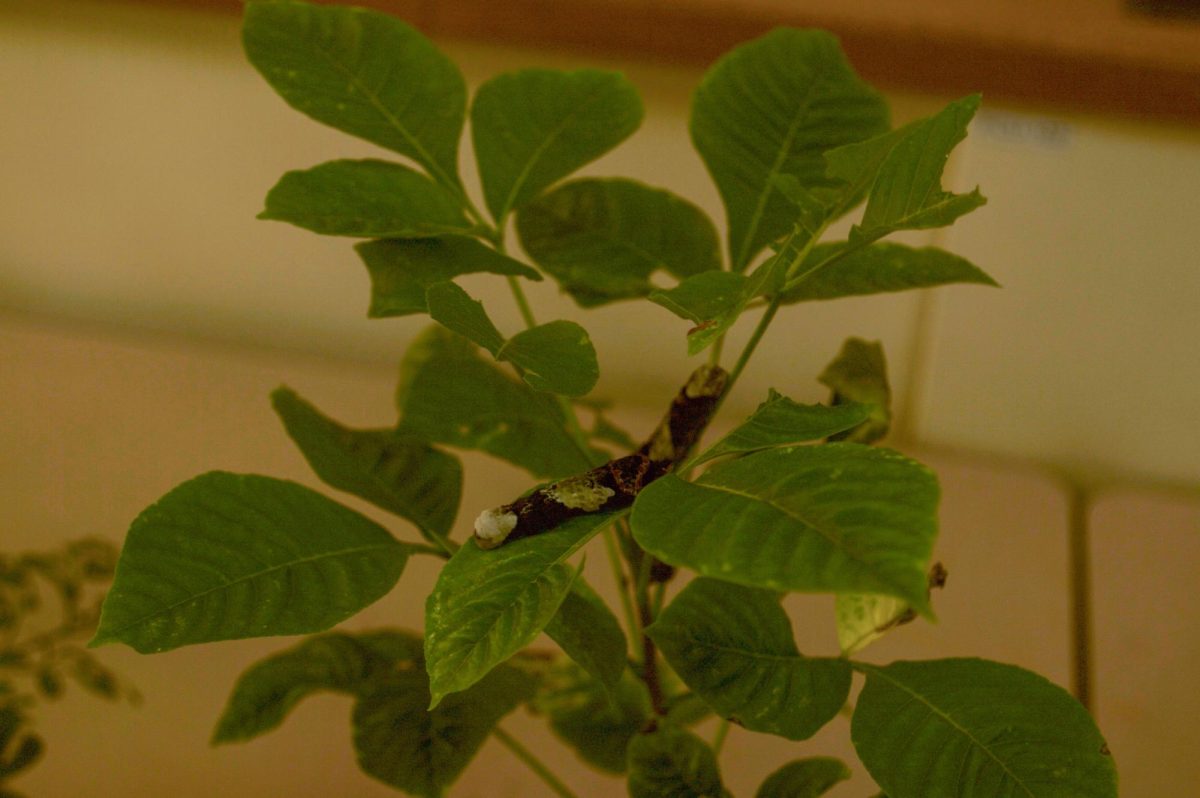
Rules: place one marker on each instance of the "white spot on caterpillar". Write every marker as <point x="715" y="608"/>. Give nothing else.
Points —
<point x="493" y="526"/>
<point x="580" y="493"/>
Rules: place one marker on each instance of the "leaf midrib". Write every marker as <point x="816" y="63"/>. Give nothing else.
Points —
<point x="539" y="150"/>
<point x="760" y="205"/>
<point x="422" y="155"/>
<point x="946" y="718"/>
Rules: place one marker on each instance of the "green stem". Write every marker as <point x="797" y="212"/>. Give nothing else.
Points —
<point x="522" y="303"/>
<point x="752" y="344"/>
<point x="533" y="763"/>
<point x="719" y="738"/>
<point x="614" y="561"/>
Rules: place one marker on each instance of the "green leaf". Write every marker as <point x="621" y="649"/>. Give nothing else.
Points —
<point x="590" y="634"/>
<point x="364" y="199"/>
<point x="715" y="300"/>
<point x="364" y="73"/>
<point x="403" y="475"/>
<point x="779" y="421"/>
<point x="487" y="605"/>
<point x="269" y="689"/>
<point x="453" y="308"/>
<point x="602" y="239"/>
<point x="969" y="727"/>
<point x="859" y="374"/>
<point x="804" y="778"/>
<point x="420" y="751"/>
<point x="557" y="357"/>
<point x="598" y="721"/>
<point x="448" y="394"/>
<point x="733" y="646"/>
<point x="227" y="556"/>
<point x="863" y="618"/>
<point x="703" y="297"/>
<point x="907" y="193"/>
<point x="832" y="518"/>
<point x="877" y="269"/>
<point x="669" y="762"/>
<point x="533" y="127"/>
<point x="402" y="268"/>
<point x="772" y="107"/>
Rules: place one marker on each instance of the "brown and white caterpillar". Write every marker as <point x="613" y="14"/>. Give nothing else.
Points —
<point x="617" y="483"/>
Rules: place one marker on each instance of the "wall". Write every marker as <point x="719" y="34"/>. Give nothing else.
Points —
<point x="146" y="314"/>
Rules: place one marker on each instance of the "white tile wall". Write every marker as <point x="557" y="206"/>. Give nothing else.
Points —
<point x="137" y="155"/>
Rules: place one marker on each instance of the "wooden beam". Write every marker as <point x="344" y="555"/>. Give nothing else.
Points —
<point x="1092" y="56"/>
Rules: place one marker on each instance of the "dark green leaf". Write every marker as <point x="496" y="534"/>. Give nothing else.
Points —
<point x="877" y="269"/>
<point x="733" y="646"/>
<point x="804" y="778"/>
<point x="422" y="751"/>
<point x="557" y="357"/>
<point x="597" y="721"/>
<point x="907" y="192"/>
<point x="487" y="605"/>
<point x="605" y="430"/>
<point x="773" y="107"/>
<point x="269" y="689"/>
<point x="779" y="421"/>
<point x="672" y="763"/>
<point x="454" y="309"/>
<point x="227" y="556"/>
<point x="533" y="127"/>
<point x="364" y="199"/>
<point x="365" y="73"/>
<point x="601" y="239"/>
<point x="859" y="374"/>
<point x="702" y="297"/>
<point x="402" y="268"/>
<point x="449" y="394"/>
<point x="833" y="518"/>
<point x="972" y="728"/>
<point x="590" y="634"/>
<point x="715" y="300"/>
<point x="403" y="475"/>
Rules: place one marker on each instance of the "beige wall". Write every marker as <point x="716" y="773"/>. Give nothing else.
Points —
<point x="146" y="314"/>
